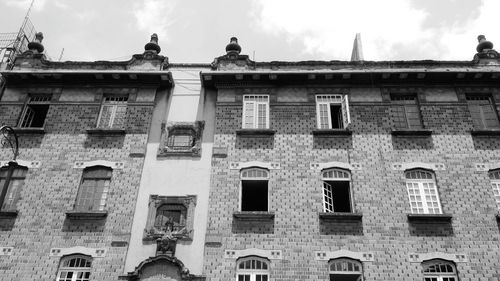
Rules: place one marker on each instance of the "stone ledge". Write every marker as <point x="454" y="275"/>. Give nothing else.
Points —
<point x="411" y="132"/>
<point x="9" y="214"/>
<point x="254" y="216"/>
<point x="332" y="132"/>
<point x="255" y="132"/>
<point x="106" y="132"/>
<point x="429" y="218"/>
<point x="29" y="131"/>
<point x="340" y="216"/>
<point x="82" y="215"/>
<point x="485" y="132"/>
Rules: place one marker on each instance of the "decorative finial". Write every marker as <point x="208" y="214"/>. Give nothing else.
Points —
<point x="233" y="47"/>
<point x="36" y="45"/>
<point x="483" y="44"/>
<point x="153" y="44"/>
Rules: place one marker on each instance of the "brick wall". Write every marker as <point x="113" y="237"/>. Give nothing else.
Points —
<point x="379" y="193"/>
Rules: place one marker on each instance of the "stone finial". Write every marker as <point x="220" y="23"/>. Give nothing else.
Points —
<point x="233" y="47"/>
<point x="36" y="45"/>
<point x="153" y="44"/>
<point x="483" y="44"/>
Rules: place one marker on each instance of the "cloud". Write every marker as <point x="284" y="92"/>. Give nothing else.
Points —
<point x="155" y="16"/>
<point x="390" y="29"/>
<point x="38" y="5"/>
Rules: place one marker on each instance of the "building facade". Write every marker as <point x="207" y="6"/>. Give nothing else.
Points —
<point x="250" y="171"/>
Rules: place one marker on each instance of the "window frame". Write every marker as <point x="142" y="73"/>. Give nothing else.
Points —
<point x="329" y="99"/>
<point x="324" y="180"/>
<point x="6" y="187"/>
<point x="344" y="261"/>
<point x="253" y="272"/>
<point x="115" y="102"/>
<point x="405" y="101"/>
<point x="104" y="194"/>
<point x="34" y="99"/>
<point x="421" y="183"/>
<point x="247" y="178"/>
<point x="494" y="176"/>
<point x="255" y="101"/>
<point x="439" y="275"/>
<point x="470" y="98"/>
<point x="74" y="270"/>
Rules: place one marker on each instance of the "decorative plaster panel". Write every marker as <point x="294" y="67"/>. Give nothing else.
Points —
<point x="416" y="165"/>
<point x="25" y="163"/>
<point x="244" y="165"/>
<point x="361" y="256"/>
<point x="105" y="163"/>
<point x="93" y="252"/>
<point x="421" y="257"/>
<point x="270" y="254"/>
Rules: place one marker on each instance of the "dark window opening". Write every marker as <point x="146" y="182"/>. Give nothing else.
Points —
<point x="170" y="216"/>
<point x="345" y="277"/>
<point x="34" y="115"/>
<point x="341" y="196"/>
<point x="336" y="116"/>
<point x="254" y="195"/>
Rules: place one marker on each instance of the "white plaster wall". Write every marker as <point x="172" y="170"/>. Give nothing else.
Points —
<point x="176" y="176"/>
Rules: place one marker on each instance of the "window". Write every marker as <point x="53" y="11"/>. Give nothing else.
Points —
<point x="439" y="270"/>
<point x="332" y="111"/>
<point x="345" y="269"/>
<point x="74" y="268"/>
<point x="406" y="112"/>
<point x="495" y="184"/>
<point x="337" y="195"/>
<point x="252" y="269"/>
<point x="181" y="139"/>
<point x="11" y="182"/>
<point x="482" y="111"/>
<point x="93" y="189"/>
<point x="170" y="217"/>
<point x="255" y="112"/>
<point x="113" y="112"/>
<point x="254" y="189"/>
<point x="35" y="111"/>
<point x="422" y="192"/>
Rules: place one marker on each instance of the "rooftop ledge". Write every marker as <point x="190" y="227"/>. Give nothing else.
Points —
<point x="254" y="215"/>
<point x="429" y="217"/>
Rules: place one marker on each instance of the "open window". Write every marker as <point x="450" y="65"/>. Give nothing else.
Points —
<point x="337" y="193"/>
<point x="11" y="182"/>
<point x="422" y="192"/>
<point x="439" y="270"/>
<point x="345" y="269"/>
<point x="254" y="189"/>
<point x="406" y="112"/>
<point x="482" y="111"/>
<point x="332" y="111"/>
<point x="74" y="268"/>
<point x="113" y="112"/>
<point x="35" y="111"/>
<point x="495" y="185"/>
<point x="252" y="269"/>
<point x="255" y="112"/>
<point x="94" y="188"/>
<point x="170" y="217"/>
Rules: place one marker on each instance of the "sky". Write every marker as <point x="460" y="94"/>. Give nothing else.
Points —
<point x="267" y="30"/>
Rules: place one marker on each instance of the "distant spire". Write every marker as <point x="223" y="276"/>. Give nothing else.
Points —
<point x="357" y="49"/>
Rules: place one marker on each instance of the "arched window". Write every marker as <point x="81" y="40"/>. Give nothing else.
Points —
<point x="344" y="269"/>
<point x="422" y="192"/>
<point x="94" y="188"/>
<point x="11" y="181"/>
<point x="254" y="189"/>
<point x="495" y="184"/>
<point x="439" y="270"/>
<point x="252" y="269"/>
<point x="74" y="268"/>
<point x="337" y="191"/>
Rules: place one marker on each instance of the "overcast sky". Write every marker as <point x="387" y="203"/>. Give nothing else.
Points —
<point x="290" y="30"/>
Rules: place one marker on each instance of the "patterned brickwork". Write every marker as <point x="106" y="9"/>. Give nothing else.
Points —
<point x="295" y="193"/>
<point x="50" y="191"/>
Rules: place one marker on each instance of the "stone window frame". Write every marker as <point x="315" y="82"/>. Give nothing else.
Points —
<point x="328" y="99"/>
<point x="421" y="181"/>
<point x="68" y="264"/>
<point x="170" y="129"/>
<point x="115" y="102"/>
<point x="156" y="201"/>
<point x="494" y="176"/>
<point x="324" y="179"/>
<point x="10" y="169"/>
<point x="252" y="261"/>
<point x="442" y="269"/>
<point x="34" y="99"/>
<point x="245" y="175"/>
<point x="405" y="100"/>
<point x="344" y="268"/>
<point x="103" y="194"/>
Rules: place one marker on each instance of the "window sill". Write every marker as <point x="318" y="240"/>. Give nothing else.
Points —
<point x="340" y="216"/>
<point x="29" y="131"/>
<point x="485" y="132"/>
<point x="255" y="132"/>
<point x="411" y="132"/>
<point x="105" y="131"/>
<point x="429" y="217"/>
<point x="169" y="152"/>
<point x="86" y="215"/>
<point x="254" y="216"/>
<point x="332" y="132"/>
<point x="8" y="214"/>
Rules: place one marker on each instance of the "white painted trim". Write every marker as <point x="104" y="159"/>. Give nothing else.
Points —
<point x="269" y="254"/>
<point x="105" y="163"/>
<point x="333" y="164"/>
<point x="361" y="256"/>
<point x="93" y="252"/>
<point x="486" y="167"/>
<point x="26" y="163"/>
<point x="6" y="251"/>
<point x="259" y="164"/>
<point x="418" y="165"/>
<point x="421" y="257"/>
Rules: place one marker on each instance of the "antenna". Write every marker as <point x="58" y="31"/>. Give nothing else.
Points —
<point x="253" y="58"/>
<point x="60" y="56"/>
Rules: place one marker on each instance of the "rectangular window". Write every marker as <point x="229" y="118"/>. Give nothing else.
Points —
<point x="406" y="112"/>
<point x="332" y="111"/>
<point x="113" y="112"/>
<point x="35" y="111"/>
<point x="93" y="190"/>
<point x="256" y="112"/>
<point x="11" y="182"/>
<point x="337" y="196"/>
<point x="482" y="111"/>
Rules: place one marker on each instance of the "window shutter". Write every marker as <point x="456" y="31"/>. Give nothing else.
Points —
<point x="490" y="116"/>
<point x="100" y="194"/>
<point x="249" y="117"/>
<point x="105" y="117"/>
<point x="119" y="118"/>
<point x="323" y="116"/>
<point x="346" y="118"/>
<point x="328" y="197"/>
<point x="262" y="116"/>
<point x="399" y="117"/>
<point x="12" y="194"/>
<point x="475" y="112"/>
<point x="86" y="195"/>
<point x="413" y="117"/>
